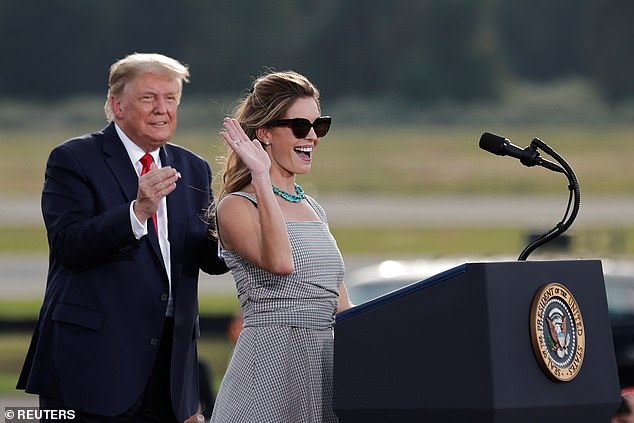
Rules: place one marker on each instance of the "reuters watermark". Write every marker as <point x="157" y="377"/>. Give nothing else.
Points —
<point x="34" y="414"/>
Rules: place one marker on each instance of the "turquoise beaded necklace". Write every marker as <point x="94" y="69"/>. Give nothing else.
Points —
<point x="290" y="197"/>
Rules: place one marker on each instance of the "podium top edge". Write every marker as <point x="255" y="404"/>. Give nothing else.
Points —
<point x="442" y="276"/>
<point x="391" y="296"/>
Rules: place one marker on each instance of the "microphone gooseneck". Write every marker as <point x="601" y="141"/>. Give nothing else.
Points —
<point x="529" y="156"/>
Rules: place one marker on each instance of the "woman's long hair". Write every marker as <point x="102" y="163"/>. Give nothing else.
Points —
<point x="269" y="99"/>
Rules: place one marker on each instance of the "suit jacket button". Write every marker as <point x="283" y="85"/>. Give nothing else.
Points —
<point x="164" y="297"/>
<point x="154" y="342"/>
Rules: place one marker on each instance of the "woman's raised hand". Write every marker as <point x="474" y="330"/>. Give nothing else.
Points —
<point x="251" y="152"/>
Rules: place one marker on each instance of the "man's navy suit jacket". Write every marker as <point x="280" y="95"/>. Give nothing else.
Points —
<point x="106" y="296"/>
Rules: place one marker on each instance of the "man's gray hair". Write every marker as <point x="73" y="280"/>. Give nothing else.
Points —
<point x="128" y="68"/>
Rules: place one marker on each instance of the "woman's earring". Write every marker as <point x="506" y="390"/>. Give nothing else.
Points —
<point x="265" y="143"/>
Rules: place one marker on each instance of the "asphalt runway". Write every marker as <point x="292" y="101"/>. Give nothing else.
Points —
<point x="23" y="276"/>
<point x="422" y="211"/>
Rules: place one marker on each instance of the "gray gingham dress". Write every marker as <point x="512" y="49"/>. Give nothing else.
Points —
<point x="281" y="368"/>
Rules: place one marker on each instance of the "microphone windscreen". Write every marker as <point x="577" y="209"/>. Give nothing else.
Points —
<point x="493" y="143"/>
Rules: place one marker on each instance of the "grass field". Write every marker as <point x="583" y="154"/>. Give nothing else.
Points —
<point x="397" y="160"/>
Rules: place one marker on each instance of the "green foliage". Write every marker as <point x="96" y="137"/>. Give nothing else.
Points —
<point x="605" y="39"/>
<point x="417" y="51"/>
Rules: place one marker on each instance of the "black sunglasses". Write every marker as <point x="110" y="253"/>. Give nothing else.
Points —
<point x="301" y="127"/>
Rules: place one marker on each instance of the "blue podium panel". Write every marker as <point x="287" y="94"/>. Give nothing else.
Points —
<point x="459" y="347"/>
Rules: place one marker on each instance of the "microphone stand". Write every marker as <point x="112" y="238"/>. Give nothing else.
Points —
<point x="573" y="187"/>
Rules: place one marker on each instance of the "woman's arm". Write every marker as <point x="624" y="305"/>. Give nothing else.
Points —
<point x="258" y="234"/>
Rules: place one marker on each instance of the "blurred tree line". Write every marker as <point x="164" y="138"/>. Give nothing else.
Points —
<point x="420" y="51"/>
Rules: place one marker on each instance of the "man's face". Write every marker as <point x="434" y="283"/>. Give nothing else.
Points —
<point x="146" y="110"/>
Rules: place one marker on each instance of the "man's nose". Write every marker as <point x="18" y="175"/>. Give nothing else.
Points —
<point x="160" y="105"/>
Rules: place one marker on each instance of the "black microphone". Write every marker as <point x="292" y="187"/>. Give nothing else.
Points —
<point x="528" y="156"/>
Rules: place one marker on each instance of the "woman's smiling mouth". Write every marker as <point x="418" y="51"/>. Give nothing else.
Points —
<point x="304" y="152"/>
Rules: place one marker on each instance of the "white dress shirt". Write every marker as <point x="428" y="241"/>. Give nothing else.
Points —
<point x="140" y="228"/>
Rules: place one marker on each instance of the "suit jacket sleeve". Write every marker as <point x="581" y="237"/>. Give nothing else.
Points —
<point x="81" y="231"/>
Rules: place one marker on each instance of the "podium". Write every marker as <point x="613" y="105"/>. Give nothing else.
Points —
<point x="464" y="346"/>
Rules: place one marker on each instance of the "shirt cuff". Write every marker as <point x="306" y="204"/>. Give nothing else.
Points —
<point x="139" y="229"/>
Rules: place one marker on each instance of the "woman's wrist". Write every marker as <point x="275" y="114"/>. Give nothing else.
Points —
<point x="261" y="182"/>
<point x="262" y="178"/>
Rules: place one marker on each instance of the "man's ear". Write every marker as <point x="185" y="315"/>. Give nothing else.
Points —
<point x="115" y="105"/>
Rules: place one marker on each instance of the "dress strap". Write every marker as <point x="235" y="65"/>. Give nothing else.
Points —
<point x="249" y="196"/>
<point x="318" y="209"/>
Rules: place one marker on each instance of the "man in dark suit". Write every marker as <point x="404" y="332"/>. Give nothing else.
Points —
<point x="116" y="336"/>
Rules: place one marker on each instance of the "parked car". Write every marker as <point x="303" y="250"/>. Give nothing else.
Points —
<point x="372" y="281"/>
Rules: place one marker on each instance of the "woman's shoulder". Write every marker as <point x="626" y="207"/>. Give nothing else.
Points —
<point x="318" y="208"/>
<point x="237" y="199"/>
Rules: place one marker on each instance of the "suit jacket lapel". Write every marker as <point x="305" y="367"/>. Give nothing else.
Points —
<point x="175" y="200"/>
<point x="119" y="162"/>
<point x="176" y="214"/>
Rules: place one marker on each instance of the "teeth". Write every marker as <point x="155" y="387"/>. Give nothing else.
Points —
<point x="304" y="149"/>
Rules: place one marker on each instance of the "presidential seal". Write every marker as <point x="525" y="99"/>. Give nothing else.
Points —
<point x="557" y="332"/>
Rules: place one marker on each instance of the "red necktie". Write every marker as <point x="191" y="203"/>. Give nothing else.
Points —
<point x="147" y="161"/>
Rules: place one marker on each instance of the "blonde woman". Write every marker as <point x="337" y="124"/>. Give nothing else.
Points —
<point x="285" y="262"/>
